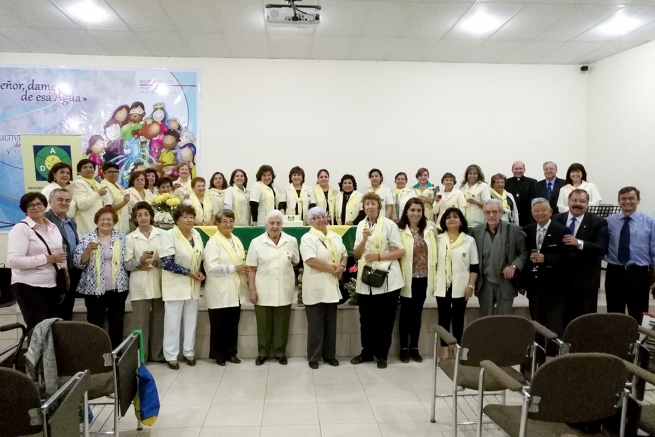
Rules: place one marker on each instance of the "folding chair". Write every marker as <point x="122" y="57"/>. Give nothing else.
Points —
<point x="613" y="333"/>
<point x="570" y="389"/>
<point x="508" y="339"/>
<point x="82" y="346"/>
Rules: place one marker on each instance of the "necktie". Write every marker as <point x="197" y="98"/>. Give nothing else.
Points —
<point x="540" y="238"/>
<point x="624" y="242"/>
<point x="550" y="189"/>
<point x="572" y="226"/>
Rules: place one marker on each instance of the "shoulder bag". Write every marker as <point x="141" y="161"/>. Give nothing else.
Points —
<point x="61" y="278"/>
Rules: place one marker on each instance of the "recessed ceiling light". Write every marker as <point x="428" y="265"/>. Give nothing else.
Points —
<point x="481" y="22"/>
<point x="88" y="10"/>
<point x="620" y="24"/>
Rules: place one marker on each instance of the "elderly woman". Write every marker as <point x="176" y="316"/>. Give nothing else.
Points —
<point x="181" y="253"/>
<point x="401" y="195"/>
<point x="237" y="198"/>
<point x="104" y="283"/>
<point x="142" y="260"/>
<point x="300" y="198"/>
<point x="325" y="195"/>
<point x="271" y="281"/>
<point x="384" y="193"/>
<point x="377" y="246"/>
<point x="34" y="253"/>
<point x="510" y="210"/>
<point x="349" y="201"/>
<point x="264" y="196"/>
<point x="451" y="197"/>
<point x="117" y="197"/>
<point x="476" y="192"/>
<point x="59" y="176"/>
<point x="152" y="177"/>
<point x="182" y="186"/>
<point x="576" y="178"/>
<point x="225" y="289"/>
<point x="419" y="272"/>
<point x="88" y="196"/>
<point x="217" y="187"/>
<point x="138" y="191"/>
<point x="426" y="191"/>
<point x="324" y="257"/>
<point x="201" y="202"/>
<point x="457" y="271"/>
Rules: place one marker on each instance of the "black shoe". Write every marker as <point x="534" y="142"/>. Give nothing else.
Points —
<point x="173" y="365"/>
<point x="260" y="360"/>
<point x="220" y="362"/>
<point x="382" y="363"/>
<point x="404" y="355"/>
<point x="359" y="359"/>
<point x="313" y="365"/>
<point x="282" y="360"/>
<point x="190" y="361"/>
<point x="332" y="362"/>
<point x="235" y="360"/>
<point x="415" y="355"/>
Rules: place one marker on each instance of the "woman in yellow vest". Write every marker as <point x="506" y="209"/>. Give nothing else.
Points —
<point x="419" y="266"/>
<point x="88" y="196"/>
<point x="216" y="192"/>
<point x="300" y="198"/>
<point x="201" y="202"/>
<point x="116" y="197"/>
<point x="426" y="191"/>
<point x="450" y="198"/>
<point x="182" y="186"/>
<point x="326" y="196"/>
<point x="137" y="188"/>
<point x="384" y="193"/>
<point x="349" y="201"/>
<point x="401" y="195"/>
<point x="476" y="192"/>
<point x="265" y="196"/>
<point x="237" y="198"/>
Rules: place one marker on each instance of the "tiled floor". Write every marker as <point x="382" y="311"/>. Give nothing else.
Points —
<point x="273" y="400"/>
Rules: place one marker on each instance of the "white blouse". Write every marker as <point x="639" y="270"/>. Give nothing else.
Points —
<point x="400" y="198"/>
<point x="473" y="213"/>
<point x="123" y="225"/>
<point x="306" y="197"/>
<point x="243" y="206"/>
<point x="565" y="191"/>
<point x="223" y="286"/>
<point x="463" y="256"/>
<point x="317" y="286"/>
<point x="263" y="209"/>
<point x="386" y="195"/>
<point x="87" y="202"/>
<point x="176" y="286"/>
<point x="144" y="284"/>
<point x="351" y="215"/>
<point x="451" y="199"/>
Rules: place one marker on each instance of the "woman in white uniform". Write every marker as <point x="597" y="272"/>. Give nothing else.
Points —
<point x="451" y="197"/>
<point x="181" y="253"/>
<point x="426" y="191"/>
<point x="476" y="192"/>
<point x="137" y="188"/>
<point x="201" y="202"/>
<point x="325" y="195"/>
<point x="576" y="178"/>
<point x="384" y="193"/>
<point x="217" y="187"/>
<point x="237" y="198"/>
<point x="271" y="281"/>
<point x="225" y="289"/>
<point x="349" y="201"/>
<point x="401" y="195"/>
<point x="300" y="198"/>
<point x="88" y="196"/>
<point x="117" y="197"/>
<point x="377" y="246"/>
<point x="264" y="195"/>
<point x="498" y="192"/>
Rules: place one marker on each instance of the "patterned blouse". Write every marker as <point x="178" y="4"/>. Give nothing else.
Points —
<point x="87" y="285"/>
<point x="420" y="260"/>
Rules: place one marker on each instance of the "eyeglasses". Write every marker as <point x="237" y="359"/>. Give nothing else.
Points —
<point x="111" y="172"/>
<point x="35" y="205"/>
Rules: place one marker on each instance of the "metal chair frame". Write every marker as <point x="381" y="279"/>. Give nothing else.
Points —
<point x="45" y="408"/>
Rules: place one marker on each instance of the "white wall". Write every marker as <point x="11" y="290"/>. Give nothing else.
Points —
<point x="621" y="128"/>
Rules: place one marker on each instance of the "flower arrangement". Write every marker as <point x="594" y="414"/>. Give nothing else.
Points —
<point x="164" y="204"/>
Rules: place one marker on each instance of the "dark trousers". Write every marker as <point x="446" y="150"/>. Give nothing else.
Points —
<point x="451" y="312"/>
<point x="224" y="325"/>
<point x="321" y="331"/>
<point x="111" y="306"/>
<point x="272" y="330"/>
<point x="578" y="303"/>
<point x="65" y="308"/>
<point x="377" y="314"/>
<point x="547" y="308"/>
<point x="627" y="288"/>
<point x="411" y="309"/>
<point x="36" y="303"/>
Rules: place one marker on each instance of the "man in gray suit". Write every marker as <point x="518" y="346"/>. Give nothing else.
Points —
<point x="502" y="254"/>
<point x="59" y="202"/>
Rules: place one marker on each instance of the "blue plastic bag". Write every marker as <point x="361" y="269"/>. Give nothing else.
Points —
<point x="146" y="402"/>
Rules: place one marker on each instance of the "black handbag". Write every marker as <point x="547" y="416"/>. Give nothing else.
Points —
<point x="61" y="277"/>
<point x="373" y="277"/>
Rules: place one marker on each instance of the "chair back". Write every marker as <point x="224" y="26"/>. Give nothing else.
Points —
<point x="612" y="334"/>
<point x="62" y="410"/>
<point x="578" y="388"/>
<point x="80" y="346"/>
<point x="19" y="403"/>
<point x="502" y="339"/>
<point x="127" y="367"/>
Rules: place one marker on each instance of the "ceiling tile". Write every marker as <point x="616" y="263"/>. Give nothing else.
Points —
<point x="240" y="16"/>
<point x="610" y="49"/>
<point x="164" y="43"/>
<point x="11" y="18"/>
<point x="206" y="45"/>
<point x="192" y="16"/>
<point x="503" y="11"/>
<point x="248" y="45"/>
<point x="121" y="43"/>
<point x="385" y="19"/>
<point x="531" y="52"/>
<point x="112" y="22"/>
<point x="531" y="21"/>
<point x="412" y="49"/>
<point x="33" y="40"/>
<point x="581" y="2"/>
<point x="77" y="41"/>
<point x="7" y="45"/>
<point x="645" y="33"/>
<point x="641" y="15"/>
<point x="331" y="47"/>
<point x="453" y="50"/>
<point x="577" y="21"/>
<point x="372" y="48"/>
<point x="43" y="13"/>
<point x="492" y="51"/>
<point x="290" y="46"/>
<point x="342" y="18"/>
<point x="433" y="20"/>
<point x="571" y="52"/>
<point x="142" y="15"/>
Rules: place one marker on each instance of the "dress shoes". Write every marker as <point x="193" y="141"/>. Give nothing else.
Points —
<point x="235" y="360"/>
<point x="173" y="365"/>
<point x="332" y="362"/>
<point x="191" y="361"/>
<point x="382" y="363"/>
<point x="415" y="355"/>
<point x="359" y="359"/>
<point x="260" y="360"/>
<point x="220" y="362"/>
<point x="282" y="360"/>
<point x="404" y="355"/>
<point x="313" y="365"/>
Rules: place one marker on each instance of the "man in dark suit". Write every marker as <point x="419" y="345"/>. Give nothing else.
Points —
<point x="546" y="273"/>
<point x="590" y="239"/>
<point x="549" y="187"/>
<point x="523" y="190"/>
<point x="59" y="202"/>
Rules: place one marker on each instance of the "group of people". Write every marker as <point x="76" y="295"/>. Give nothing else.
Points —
<point x="410" y="244"/>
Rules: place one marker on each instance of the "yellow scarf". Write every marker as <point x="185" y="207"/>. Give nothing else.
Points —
<point x="268" y="197"/>
<point x="328" y="204"/>
<point x="449" y="254"/>
<point x="117" y="194"/>
<point x="236" y="208"/>
<point x="195" y="258"/>
<point x="203" y="211"/>
<point x="380" y="192"/>
<point x="115" y="265"/>
<point x="352" y="207"/>
<point x="400" y="192"/>
<point x="404" y="237"/>
<point x="92" y="183"/>
<point x="299" y="199"/>
<point x="503" y="198"/>
<point x="333" y="252"/>
<point x="377" y="240"/>
<point x="237" y="256"/>
<point x="134" y="192"/>
<point x="469" y="194"/>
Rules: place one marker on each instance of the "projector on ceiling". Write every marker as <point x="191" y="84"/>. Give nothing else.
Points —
<point x="291" y="14"/>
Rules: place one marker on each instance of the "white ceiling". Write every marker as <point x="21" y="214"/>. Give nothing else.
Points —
<point x="534" y="31"/>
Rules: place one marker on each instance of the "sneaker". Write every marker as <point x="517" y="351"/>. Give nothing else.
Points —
<point x="416" y="356"/>
<point x="173" y="365"/>
<point x="282" y="360"/>
<point x="260" y="360"/>
<point x="235" y="360"/>
<point x="332" y="362"/>
<point x="404" y="355"/>
<point x="382" y="363"/>
<point x="313" y="365"/>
